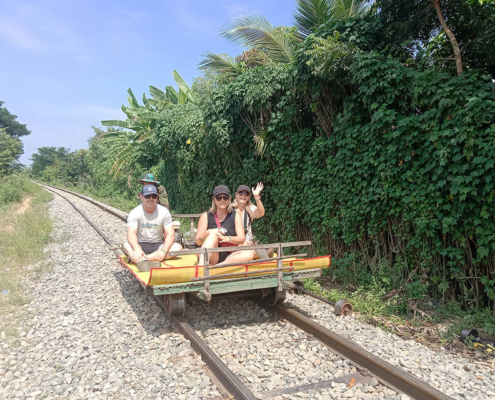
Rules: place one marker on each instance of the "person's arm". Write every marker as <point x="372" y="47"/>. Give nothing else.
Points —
<point x="239" y="232"/>
<point x="132" y="239"/>
<point x="167" y="244"/>
<point x="203" y="230"/>
<point x="260" y="209"/>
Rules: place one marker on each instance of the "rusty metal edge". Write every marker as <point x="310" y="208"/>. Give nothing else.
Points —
<point x="226" y="377"/>
<point x="390" y="375"/>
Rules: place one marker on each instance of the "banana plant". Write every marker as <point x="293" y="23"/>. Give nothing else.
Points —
<point x="142" y="119"/>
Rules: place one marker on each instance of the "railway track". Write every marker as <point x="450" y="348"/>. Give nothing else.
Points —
<point x="367" y="365"/>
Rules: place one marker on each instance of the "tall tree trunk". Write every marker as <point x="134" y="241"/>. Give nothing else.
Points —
<point x="453" y="40"/>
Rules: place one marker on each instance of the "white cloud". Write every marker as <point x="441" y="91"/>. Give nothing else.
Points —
<point x="19" y="36"/>
<point x="195" y="22"/>
<point x="236" y="9"/>
<point x="40" y="30"/>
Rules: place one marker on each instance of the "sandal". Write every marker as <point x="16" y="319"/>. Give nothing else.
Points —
<point x="146" y="265"/>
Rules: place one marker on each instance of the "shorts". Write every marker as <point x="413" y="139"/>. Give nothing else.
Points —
<point x="222" y="256"/>
<point x="149" y="248"/>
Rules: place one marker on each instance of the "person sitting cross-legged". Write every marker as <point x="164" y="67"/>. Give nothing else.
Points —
<point x="150" y="234"/>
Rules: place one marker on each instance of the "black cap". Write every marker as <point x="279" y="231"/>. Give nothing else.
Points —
<point x="221" y="189"/>
<point x="149" y="189"/>
<point x="242" y="188"/>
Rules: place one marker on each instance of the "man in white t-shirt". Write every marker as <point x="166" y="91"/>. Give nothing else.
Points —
<point x="150" y="234"/>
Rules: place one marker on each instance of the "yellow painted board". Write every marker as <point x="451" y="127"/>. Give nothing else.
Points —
<point x="182" y="269"/>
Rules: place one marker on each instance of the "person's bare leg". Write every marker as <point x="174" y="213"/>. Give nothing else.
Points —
<point x="175" y="247"/>
<point x="127" y="249"/>
<point x="210" y="242"/>
<point x="239" y="257"/>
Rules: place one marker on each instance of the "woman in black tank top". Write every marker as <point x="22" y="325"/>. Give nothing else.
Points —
<point x="221" y="226"/>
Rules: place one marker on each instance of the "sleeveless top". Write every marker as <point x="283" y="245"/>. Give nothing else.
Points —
<point x="228" y="223"/>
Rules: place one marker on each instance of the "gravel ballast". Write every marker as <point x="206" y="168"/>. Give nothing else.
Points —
<point x="91" y="332"/>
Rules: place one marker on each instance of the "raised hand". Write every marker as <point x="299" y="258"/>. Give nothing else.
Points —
<point x="259" y="188"/>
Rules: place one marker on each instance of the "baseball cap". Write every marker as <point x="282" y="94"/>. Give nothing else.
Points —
<point x="147" y="178"/>
<point x="221" y="189"/>
<point x="243" y="188"/>
<point x="149" y="189"/>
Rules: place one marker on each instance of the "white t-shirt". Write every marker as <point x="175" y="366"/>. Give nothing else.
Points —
<point x="150" y="226"/>
<point x="245" y="220"/>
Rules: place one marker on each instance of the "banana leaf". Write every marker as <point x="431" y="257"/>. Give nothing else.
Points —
<point x="184" y="88"/>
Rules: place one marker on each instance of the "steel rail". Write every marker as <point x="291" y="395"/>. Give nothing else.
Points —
<point x="390" y="375"/>
<point x="226" y="377"/>
<point x="122" y="215"/>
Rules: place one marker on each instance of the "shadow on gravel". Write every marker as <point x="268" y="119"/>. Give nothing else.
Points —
<point x="148" y="313"/>
<point x="220" y="313"/>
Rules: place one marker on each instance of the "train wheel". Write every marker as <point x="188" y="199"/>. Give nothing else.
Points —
<point x="343" y="307"/>
<point x="275" y="297"/>
<point x="174" y="304"/>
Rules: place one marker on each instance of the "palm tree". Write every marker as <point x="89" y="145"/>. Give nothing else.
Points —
<point x="309" y="14"/>
<point x="255" y="31"/>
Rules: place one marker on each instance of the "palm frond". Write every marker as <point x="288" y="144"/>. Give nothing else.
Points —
<point x="220" y="65"/>
<point x="260" y="141"/>
<point x="343" y="9"/>
<point x="310" y="14"/>
<point x="256" y="31"/>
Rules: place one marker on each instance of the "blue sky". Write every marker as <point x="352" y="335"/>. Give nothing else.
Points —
<point x="66" y="65"/>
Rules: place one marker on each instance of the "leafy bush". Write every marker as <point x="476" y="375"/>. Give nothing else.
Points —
<point x="11" y="191"/>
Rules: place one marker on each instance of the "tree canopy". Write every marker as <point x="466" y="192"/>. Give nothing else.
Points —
<point x="9" y="121"/>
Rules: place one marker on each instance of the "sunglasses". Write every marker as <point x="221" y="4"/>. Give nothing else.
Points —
<point x="151" y="196"/>
<point x="222" y="197"/>
<point x="244" y="193"/>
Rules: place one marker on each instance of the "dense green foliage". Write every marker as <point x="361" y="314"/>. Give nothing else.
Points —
<point x="368" y="145"/>
<point x="13" y="127"/>
<point x="10" y="150"/>
<point x="11" y="147"/>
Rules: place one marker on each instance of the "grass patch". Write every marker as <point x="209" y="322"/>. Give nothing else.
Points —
<point x="367" y="302"/>
<point x="22" y="240"/>
<point x="438" y="325"/>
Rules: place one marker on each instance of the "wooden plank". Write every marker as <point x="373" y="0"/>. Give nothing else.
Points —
<point x="279" y="267"/>
<point x="256" y="261"/>
<point x="206" y="271"/>
<point x="242" y="286"/>
<point x="236" y="284"/>
<point x="191" y="226"/>
<point x="259" y="246"/>
<point x="262" y="271"/>
<point x="186" y="215"/>
<point x="239" y="248"/>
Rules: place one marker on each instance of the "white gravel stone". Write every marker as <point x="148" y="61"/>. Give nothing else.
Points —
<point x="443" y="371"/>
<point x="93" y="333"/>
<point x="90" y="331"/>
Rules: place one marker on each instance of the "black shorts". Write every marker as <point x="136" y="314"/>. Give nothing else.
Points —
<point x="223" y="256"/>
<point x="149" y="248"/>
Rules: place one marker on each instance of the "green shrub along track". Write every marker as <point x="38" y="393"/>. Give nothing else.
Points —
<point x="366" y="362"/>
